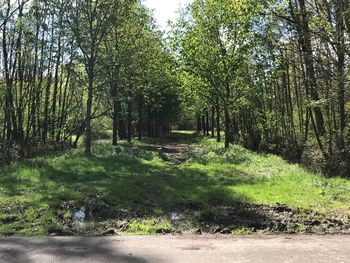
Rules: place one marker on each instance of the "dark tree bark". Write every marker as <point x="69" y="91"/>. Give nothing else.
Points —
<point x="207" y="124"/>
<point x="140" y="121"/>
<point x="213" y="122"/>
<point x="199" y="124"/>
<point x="204" y="125"/>
<point x="302" y="25"/>
<point x="340" y="48"/>
<point x="115" y="122"/>
<point x="218" y="123"/>
<point x="88" y="133"/>
<point x="129" y="122"/>
<point x="227" y="128"/>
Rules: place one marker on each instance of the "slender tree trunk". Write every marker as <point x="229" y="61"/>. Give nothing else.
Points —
<point x="207" y="122"/>
<point x="129" y="121"/>
<point x="302" y="22"/>
<point x="115" y="122"/>
<point x="218" y="123"/>
<point x="227" y="128"/>
<point x="341" y="69"/>
<point x="203" y="125"/>
<point x="139" y="135"/>
<point x="55" y="89"/>
<point x="88" y="133"/>
<point x="213" y="122"/>
<point x="199" y="126"/>
<point x="48" y="93"/>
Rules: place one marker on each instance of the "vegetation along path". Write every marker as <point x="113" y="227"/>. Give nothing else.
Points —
<point x="181" y="184"/>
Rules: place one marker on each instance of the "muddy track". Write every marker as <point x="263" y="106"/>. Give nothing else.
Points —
<point x="171" y="151"/>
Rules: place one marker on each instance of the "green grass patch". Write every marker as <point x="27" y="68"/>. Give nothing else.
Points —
<point x="268" y="179"/>
<point x="149" y="226"/>
<point x="41" y="195"/>
<point x="242" y="231"/>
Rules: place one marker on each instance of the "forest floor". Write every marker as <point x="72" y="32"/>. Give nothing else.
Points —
<point x="183" y="184"/>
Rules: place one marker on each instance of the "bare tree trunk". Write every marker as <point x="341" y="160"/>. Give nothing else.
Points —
<point x="339" y="8"/>
<point x="139" y="135"/>
<point x="227" y="128"/>
<point x="302" y="23"/>
<point x="88" y="132"/>
<point x="129" y="121"/>
<point x="213" y="122"/>
<point x="203" y="125"/>
<point x="207" y="122"/>
<point x="115" y="122"/>
<point x="218" y="123"/>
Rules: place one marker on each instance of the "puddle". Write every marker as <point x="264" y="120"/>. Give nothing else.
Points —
<point x="80" y="222"/>
<point x="175" y="217"/>
<point x="79" y="216"/>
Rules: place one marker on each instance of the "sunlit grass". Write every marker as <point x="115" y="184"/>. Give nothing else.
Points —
<point x="270" y="179"/>
<point x="32" y="192"/>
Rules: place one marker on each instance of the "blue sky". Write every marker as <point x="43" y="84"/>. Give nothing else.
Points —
<point x="165" y="10"/>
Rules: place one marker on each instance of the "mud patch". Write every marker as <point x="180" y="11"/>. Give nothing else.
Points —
<point x="171" y="152"/>
<point x="264" y="219"/>
<point x="238" y="219"/>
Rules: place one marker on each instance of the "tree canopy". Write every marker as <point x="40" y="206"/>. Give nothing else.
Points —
<point x="271" y="75"/>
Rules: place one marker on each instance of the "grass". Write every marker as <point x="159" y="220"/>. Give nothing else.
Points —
<point x="149" y="226"/>
<point x="135" y="186"/>
<point x="268" y="179"/>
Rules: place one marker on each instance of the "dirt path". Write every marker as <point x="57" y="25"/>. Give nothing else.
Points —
<point x="171" y="150"/>
<point x="204" y="249"/>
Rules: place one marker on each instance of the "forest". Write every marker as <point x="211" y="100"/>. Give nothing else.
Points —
<point x="72" y="69"/>
<point x="256" y="78"/>
<point x="274" y="72"/>
<point x="271" y="74"/>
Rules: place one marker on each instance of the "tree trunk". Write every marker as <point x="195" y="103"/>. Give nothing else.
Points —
<point x="213" y="122"/>
<point x="302" y="23"/>
<point x="199" y="126"/>
<point x="341" y="69"/>
<point x="115" y="122"/>
<point x="309" y="60"/>
<point x="203" y="125"/>
<point x="207" y="122"/>
<point x="227" y="128"/>
<point x="218" y="123"/>
<point x="129" y="121"/>
<point x="139" y="132"/>
<point x="88" y="133"/>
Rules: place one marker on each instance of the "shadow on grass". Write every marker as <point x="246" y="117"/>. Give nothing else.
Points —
<point x="130" y="186"/>
<point x="119" y="189"/>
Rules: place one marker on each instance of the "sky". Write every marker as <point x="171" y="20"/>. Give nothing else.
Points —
<point x="165" y="10"/>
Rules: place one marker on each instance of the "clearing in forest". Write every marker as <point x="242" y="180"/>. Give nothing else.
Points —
<point x="181" y="184"/>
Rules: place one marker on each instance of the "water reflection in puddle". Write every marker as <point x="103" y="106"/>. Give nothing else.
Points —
<point x="175" y="216"/>
<point x="79" y="216"/>
<point x="80" y="220"/>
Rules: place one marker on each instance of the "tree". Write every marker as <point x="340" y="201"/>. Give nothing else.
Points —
<point x="217" y="40"/>
<point x="90" y="22"/>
